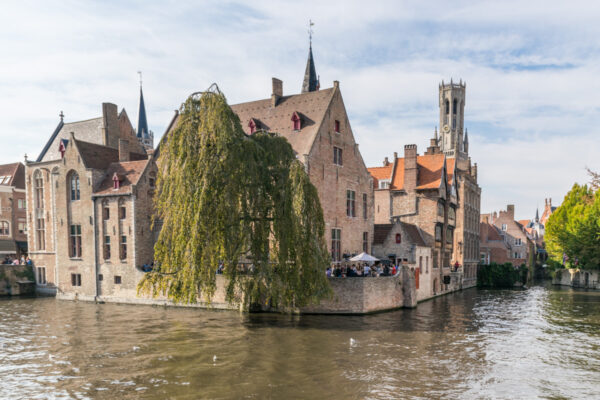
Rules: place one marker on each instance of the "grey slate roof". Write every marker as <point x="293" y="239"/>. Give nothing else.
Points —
<point x="310" y="75"/>
<point x="89" y="130"/>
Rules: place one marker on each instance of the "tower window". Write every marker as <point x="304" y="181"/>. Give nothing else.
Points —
<point x="454" y="106"/>
<point x="447" y="107"/>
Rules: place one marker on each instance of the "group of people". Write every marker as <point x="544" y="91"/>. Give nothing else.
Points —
<point x="8" y="260"/>
<point x="361" y="270"/>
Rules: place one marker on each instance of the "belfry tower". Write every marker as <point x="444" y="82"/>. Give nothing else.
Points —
<point x="453" y="139"/>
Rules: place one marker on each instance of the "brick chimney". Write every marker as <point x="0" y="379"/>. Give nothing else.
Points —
<point x="510" y="210"/>
<point x="474" y="171"/>
<point x="123" y="150"/>
<point x="277" y="91"/>
<point x="410" y="167"/>
<point x="386" y="162"/>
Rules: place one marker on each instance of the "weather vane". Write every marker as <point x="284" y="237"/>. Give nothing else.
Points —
<point x="140" y="74"/>
<point x="310" y="31"/>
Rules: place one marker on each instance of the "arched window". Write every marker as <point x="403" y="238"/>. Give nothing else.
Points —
<point x="74" y="186"/>
<point x="454" y="106"/>
<point x="40" y="223"/>
<point x="447" y="107"/>
<point x="398" y="238"/>
<point x="4" y="228"/>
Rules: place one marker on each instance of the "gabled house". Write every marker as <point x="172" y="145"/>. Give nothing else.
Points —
<point x="13" y="229"/>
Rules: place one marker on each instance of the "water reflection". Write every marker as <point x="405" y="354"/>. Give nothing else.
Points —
<point x="539" y="343"/>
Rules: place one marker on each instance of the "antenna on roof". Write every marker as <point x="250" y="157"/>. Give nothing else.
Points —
<point x="140" y="74"/>
<point x="310" y="31"/>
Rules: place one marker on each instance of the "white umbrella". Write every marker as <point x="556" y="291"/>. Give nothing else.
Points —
<point x="364" y="257"/>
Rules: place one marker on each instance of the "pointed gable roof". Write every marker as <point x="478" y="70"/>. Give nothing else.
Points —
<point x="311" y="105"/>
<point x="142" y="127"/>
<point x="97" y="156"/>
<point x="311" y="81"/>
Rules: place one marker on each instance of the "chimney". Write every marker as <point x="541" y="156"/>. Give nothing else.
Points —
<point x="474" y="171"/>
<point x="510" y="210"/>
<point x="277" y="91"/>
<point x="123" y="150"/>
<point x="410" y="167"/>
<point x="386" y="162"/>
<point x="336" y="84"/>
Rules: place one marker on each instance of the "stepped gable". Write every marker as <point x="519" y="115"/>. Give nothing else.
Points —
<point x="129" y="173"/>
<point x="310" y="106"/>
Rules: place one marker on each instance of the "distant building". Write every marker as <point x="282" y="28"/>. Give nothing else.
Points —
<point x="521" y="248"/>
<point x="89" y="194"/>
<point x="548" y="210"/>
<point x="492" y="247"/>
<point x="13" y="215"/>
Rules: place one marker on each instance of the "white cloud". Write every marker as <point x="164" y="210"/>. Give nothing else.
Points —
<point x="531" y="70"/>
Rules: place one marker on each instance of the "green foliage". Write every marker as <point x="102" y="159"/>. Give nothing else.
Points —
<point x="501" y="275"/>
<point x="574" y="229"/>
<point x="26" y="273"/>
<point x="225" y="197"/>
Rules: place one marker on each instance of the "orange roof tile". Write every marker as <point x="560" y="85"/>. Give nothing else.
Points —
<point x="429" y="176"/>
<point x="130" y="171"/>
<point x="380" y="173"/>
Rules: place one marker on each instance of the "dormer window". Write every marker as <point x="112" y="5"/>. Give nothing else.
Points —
<point x="62" y="147"/>
<point x="117" y="180"/>
<point x="337" y="126"/>
<point x="252" y="125"/>
<point x="296" y="121"/>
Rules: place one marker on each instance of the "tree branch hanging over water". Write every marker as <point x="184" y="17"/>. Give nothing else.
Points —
<point x="222" y="197"/>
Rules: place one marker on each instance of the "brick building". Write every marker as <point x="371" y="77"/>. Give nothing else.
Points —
<point x="90" y="194"/>
<point x="520" y="247"/>
<point x="421" y="190"/>
<point x="492" y="247"/>
<point x="13" y="215"/>
<point x="403" y="244"/>
<point x="316" y="124"/>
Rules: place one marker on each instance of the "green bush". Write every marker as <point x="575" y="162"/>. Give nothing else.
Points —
<point x="501" y="275"/>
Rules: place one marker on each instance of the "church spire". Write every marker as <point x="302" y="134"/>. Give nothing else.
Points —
<point x="537" y="215"/>
<point x="311" y="81"/>
<point x="142" y="127"/>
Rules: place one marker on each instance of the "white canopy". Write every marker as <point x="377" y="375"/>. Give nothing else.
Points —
<point x="364" y="257"/>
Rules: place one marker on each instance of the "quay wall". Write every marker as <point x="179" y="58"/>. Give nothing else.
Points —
<point x="579" y="278"/>
<point x="16" y="280"/>
<point x="350" y="296"/>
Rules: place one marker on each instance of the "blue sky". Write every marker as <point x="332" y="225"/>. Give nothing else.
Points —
<point x="531" y="70"/>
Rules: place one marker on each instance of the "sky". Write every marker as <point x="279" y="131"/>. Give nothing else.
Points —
<point x="532" y="69"/>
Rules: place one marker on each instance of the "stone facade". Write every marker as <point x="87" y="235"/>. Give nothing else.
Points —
<point x="492" y="247"/>
<point x="421" y="191"/>
<point x="579" y="278"/>
<point x="13" y="215"/>
<point x="67" y="230"/>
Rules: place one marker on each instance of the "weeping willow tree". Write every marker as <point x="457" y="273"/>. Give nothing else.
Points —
<point x="225" y="198"/>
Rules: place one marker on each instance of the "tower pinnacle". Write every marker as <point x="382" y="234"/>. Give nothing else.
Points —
<point x="311" y="81"/>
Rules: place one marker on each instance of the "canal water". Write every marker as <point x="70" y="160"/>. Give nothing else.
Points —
<point x="477" y="344"/>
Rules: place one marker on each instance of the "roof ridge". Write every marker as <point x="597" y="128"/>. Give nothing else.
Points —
<point x="83" y="120"/>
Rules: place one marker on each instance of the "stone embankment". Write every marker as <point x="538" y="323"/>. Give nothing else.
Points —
<point x="579" y="278"/>
<point x="16" y="280"/>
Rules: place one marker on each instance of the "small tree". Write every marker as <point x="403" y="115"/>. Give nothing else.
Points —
<point x="224" y="197"/>
<point x="573" y="229"/>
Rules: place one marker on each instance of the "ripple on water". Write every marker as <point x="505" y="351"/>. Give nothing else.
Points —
<point x="542" y="342"/>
